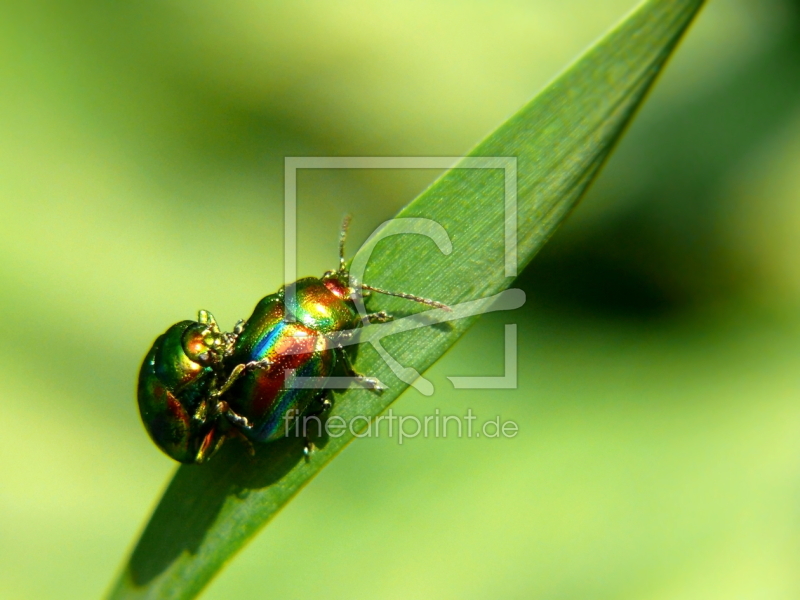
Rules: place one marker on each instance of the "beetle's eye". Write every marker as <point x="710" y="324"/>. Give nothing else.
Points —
<point x="195" y="345"/>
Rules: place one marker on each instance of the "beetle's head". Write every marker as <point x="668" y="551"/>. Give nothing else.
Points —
<point x="203" y="343"/>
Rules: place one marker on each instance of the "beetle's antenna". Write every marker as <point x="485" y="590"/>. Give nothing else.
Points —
<point x="342" y="240"/>
<point x="419" y="299"/>
<point x="342" y="269"/>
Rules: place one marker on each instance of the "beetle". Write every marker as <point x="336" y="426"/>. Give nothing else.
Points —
<point x="199" y="385"/>
<point x="180" y="382"/>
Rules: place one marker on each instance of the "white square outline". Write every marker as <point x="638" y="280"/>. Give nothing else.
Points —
<point x="507" y="163"/>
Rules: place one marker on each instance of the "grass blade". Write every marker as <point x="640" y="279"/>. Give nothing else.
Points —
<point x="559" y="140"/>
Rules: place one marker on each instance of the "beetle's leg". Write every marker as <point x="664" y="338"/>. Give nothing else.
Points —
<point x="237" y="372"/>
<point x="235" y="418"/>
<point x="201" y="413"/>
<point x="239" y="422"/>
<point x="207" y="450"/>
<point x="371" y="383"/>
<point x="325" y="403"/>
<point x="229" y="338"/>
<point x="308" y="448"/>
<point x="379" y="317"/>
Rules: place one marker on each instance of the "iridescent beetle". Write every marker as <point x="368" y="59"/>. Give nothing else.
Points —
<point x="199" y="385"/>
<point x="180" y="382"/>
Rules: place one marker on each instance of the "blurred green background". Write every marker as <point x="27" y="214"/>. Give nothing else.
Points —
<point x="141" y="178"/>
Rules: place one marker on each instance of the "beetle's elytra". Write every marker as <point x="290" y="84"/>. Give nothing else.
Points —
<point x="199" y="385"/>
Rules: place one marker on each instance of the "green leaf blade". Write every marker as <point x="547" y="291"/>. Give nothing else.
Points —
<point x="560" y="140"/>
